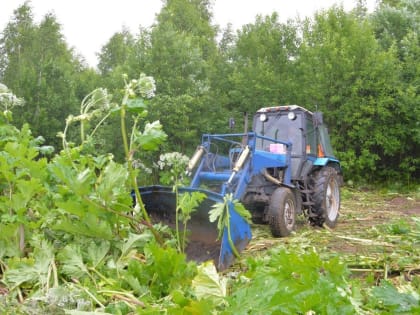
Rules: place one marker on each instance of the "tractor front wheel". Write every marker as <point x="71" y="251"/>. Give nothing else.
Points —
<point x="282" y="212"/>
<point x="326" y="197"/>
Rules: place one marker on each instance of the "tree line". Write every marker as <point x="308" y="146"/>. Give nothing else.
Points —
<point x="361" y="69"/>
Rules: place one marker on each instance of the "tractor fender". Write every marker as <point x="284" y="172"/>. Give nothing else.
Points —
<point x="334" y="163"/>
<point x="322" y="161"/>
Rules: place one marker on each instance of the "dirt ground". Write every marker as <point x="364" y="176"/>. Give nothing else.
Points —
<point x="370" y="234"/>
<point x="362" y="214"/>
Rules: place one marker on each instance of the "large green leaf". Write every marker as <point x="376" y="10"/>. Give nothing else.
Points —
<point x="23" y="272"/>
<point x="73" y="206"/>
<point x="112" y="183"/>
<point x="292" y="283"/>
<point x="164" y="270"/>
<point x="152" y="136"/>
<point x="96" y="252"/>
<point x="188" y="202"/>
<point x="208" y="284"/>
<point x="91" y="226"/>
<point x="242" y="211"/>
<point x="217" y="213"/>
<point x="132" y="241"/>
<point x="27" y="189"/>
<point x="136" y="105"/>
<point x="34" y="270"/>
<point x="387" y="297"/>
<point x="72" y="261"/>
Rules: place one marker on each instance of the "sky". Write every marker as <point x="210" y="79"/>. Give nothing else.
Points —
<point x="87" y="25"/>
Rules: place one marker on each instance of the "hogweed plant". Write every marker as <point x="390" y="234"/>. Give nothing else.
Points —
<point x="135" y="92"/>
<point x="97" y="106"/>
<point x="93" y="105"/>
<point x="173" y="166"/>
<point x="8" y="101"/>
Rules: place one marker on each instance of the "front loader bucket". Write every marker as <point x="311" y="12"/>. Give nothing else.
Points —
<point x="160" y="204"/>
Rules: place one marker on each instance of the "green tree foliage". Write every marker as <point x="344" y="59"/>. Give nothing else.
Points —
<point x="114" y="62"/>
<point x="343" y="69"/>
<point x="124" y="53"/>
<point x="192" y="17"/>
<point x="393" y="20"/>
<point x="116" y="51"/>
<point x="179" y="52"/>
<point x="262" y="63"/>
<point x="397" y="28"/>
<point x="182" y="45"/>
<point x="40" y="67"/>
<point x="182" y="57"/>
<point x="361" y="69"/>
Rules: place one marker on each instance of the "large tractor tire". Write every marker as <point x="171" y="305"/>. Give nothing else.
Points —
<point x="326" y="197"/>
<point x="282" y="212"/>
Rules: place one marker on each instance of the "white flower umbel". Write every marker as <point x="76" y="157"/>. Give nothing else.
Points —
<point x="144" y="86"/>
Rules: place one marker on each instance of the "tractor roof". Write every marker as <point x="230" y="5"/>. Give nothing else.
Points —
<point x="283" y="108"/>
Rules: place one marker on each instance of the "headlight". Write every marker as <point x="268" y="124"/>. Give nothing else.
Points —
<point x="263" y="117"/>
<point x="291" y="116"/>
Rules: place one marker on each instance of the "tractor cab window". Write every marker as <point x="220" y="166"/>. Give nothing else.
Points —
<point x="317" y="140"/>
<point x="311" y="143"/>
<point x="279" y="126"/>
<point x="324" y="141"/>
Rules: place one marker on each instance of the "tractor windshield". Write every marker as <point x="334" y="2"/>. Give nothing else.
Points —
<point x="279" y="126"/>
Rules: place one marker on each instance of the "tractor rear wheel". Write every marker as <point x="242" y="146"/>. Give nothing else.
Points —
<point x="326" y="197"/>
<point x="282" y="212"/>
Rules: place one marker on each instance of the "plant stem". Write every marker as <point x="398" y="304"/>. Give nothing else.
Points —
<point x="178" y="241"/>
<point x="126" y="296"/>
<point x="82" y="131"/>
<point x="232" y="245"/>
<point x="83" y="109"/>
<point x="20" y="295"/>
<point x="93" y="297"/>
<point x="55" y="273"/>
<point x="105" y="279"/>
<point x="132" y="175"/>
<point x="123" y="128"/>
<point x="22" y="239"/>
<point x="184" y="235"/>
<point x="99" y="124"/>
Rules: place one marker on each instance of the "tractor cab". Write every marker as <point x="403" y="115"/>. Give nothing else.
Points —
<point x="300" y="127"/>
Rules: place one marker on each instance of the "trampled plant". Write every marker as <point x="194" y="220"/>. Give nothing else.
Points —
<point x="387" y="299"/>
<point x="288" y="282"/>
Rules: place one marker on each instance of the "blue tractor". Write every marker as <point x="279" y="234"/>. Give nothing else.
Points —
<point x="283" y="168"/>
